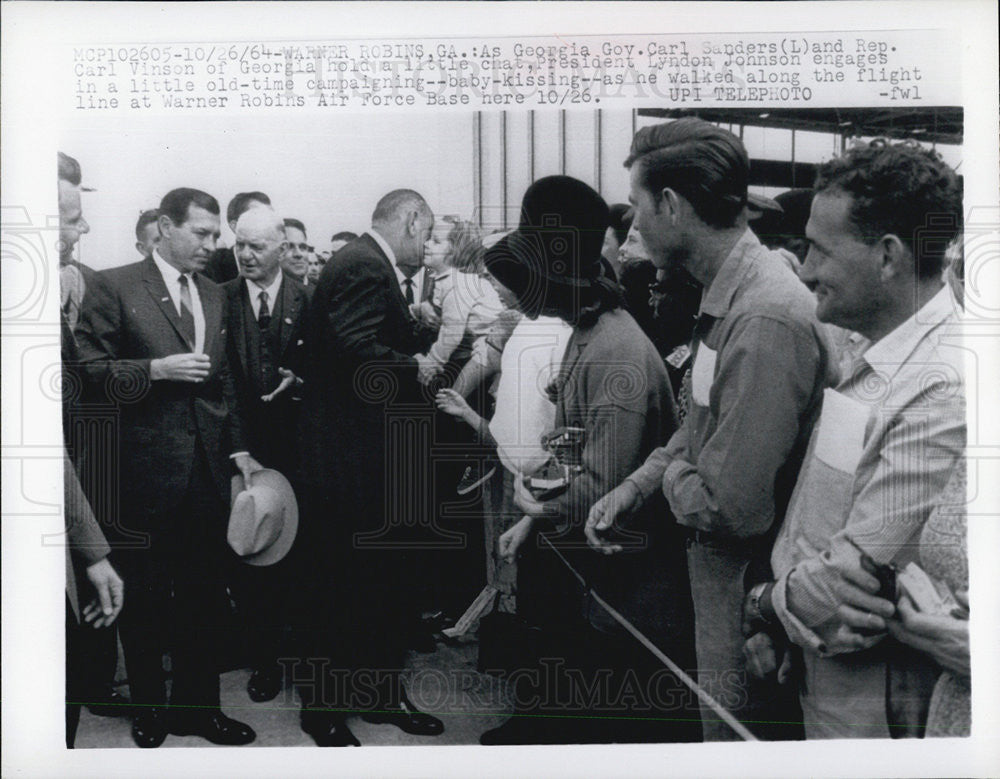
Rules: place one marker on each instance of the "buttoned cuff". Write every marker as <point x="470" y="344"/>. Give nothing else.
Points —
<point x="234" y="455"/>
<point x="797" y="632"/>
<point x="675" y="469"/>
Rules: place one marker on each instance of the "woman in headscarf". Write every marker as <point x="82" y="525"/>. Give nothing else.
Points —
<point x="613" y="406"/>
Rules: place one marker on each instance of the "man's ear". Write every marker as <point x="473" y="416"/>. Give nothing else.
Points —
<point x="895" y="259"/>
<point x="140" y="248"/>
<point x="165" y="224"/>
<point x="412" y="223"/>
<point x="670" y="201"/>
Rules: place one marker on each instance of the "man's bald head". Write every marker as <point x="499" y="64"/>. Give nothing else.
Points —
<point x="260" y="242"/>
<point x="405" y="220"/>
<point x="261" y="220"/>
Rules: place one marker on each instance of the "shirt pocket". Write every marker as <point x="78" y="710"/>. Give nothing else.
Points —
<point x="703" y="374"/>
<point x="841" y="436"/>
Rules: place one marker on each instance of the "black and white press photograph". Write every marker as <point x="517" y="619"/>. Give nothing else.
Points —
<point x="595" y="391"/>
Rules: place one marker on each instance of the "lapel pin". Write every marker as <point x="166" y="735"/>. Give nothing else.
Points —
<point x="164" y="300"/>
<point x="288" y="320"/>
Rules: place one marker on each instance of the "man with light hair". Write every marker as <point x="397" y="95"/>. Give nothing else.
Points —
<point x="266" y="318"/>
<point x="222" y="265"/>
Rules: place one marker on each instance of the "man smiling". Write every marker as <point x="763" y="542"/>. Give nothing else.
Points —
<point x="891" y="430"/>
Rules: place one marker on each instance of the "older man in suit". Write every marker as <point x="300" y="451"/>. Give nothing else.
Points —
<point x="153" y="337"/>
<point x="266" y="320"/>
<point x="360" y="371"/>
<point x="222" y="266"/>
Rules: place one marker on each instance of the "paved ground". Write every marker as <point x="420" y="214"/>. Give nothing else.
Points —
<point x="444" y="682"/>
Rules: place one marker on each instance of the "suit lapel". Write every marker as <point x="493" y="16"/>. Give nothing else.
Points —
<point x="238" y="319"/>
<point x="211" y="308"/>
<point x="157" y="289"/>
<point x="291" y="302"/>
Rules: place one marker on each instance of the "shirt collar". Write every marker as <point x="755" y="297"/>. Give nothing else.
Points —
<point x="254" y="289"/>
<point x="718" y="296"/>
<point x="169" y="272"/>
<point x="384" y="247"/>
<point x="890" y="352"/>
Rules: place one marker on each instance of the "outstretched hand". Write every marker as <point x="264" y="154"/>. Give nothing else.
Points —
<point x="287" y="380"/>
<point x="450" y="402"/>
<point x="620" y="502"/>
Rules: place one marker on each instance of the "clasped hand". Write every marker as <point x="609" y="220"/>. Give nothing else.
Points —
<point x="190" y="367"/>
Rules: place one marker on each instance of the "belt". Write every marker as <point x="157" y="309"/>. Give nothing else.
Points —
<point x="746" y="546"/>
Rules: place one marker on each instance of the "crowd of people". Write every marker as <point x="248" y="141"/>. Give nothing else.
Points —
<point x="729" y="425"/>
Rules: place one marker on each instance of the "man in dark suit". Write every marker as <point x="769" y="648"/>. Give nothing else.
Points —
<point x="153" y="338"/>
<point x="221" y="266"/>
<point x="266" y="320"/>
<point x="361" y="373"/>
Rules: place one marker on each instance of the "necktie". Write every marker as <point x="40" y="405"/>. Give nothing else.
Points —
<point x="263" y="313"/>
<point x="187" y="309"/>
<point x="408" y="294"/>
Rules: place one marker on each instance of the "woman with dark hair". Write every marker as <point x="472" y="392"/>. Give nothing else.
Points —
<point x="614" y="237"/>
<point x="613" y="400"/>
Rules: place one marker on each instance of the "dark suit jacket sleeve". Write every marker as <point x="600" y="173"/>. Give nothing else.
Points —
<point x="356" y="314"/>
<point x="234" y="419"/>
<point x="99" y="338"/>
<point x="237" y="438"/>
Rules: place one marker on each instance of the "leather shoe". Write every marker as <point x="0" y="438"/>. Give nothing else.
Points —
<point x="329" y="731"/>
<point x="264" y="683"/>
<point x="112" y="704"/>
<point x="149" y="728"/>
<point x="405" y="716"/>
<point x="213" y="726"/>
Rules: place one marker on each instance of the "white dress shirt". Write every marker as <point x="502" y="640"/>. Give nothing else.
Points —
<point x="417" y="278"/>
<point x="171" y="277"/>
<point x="254" y="289"/>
